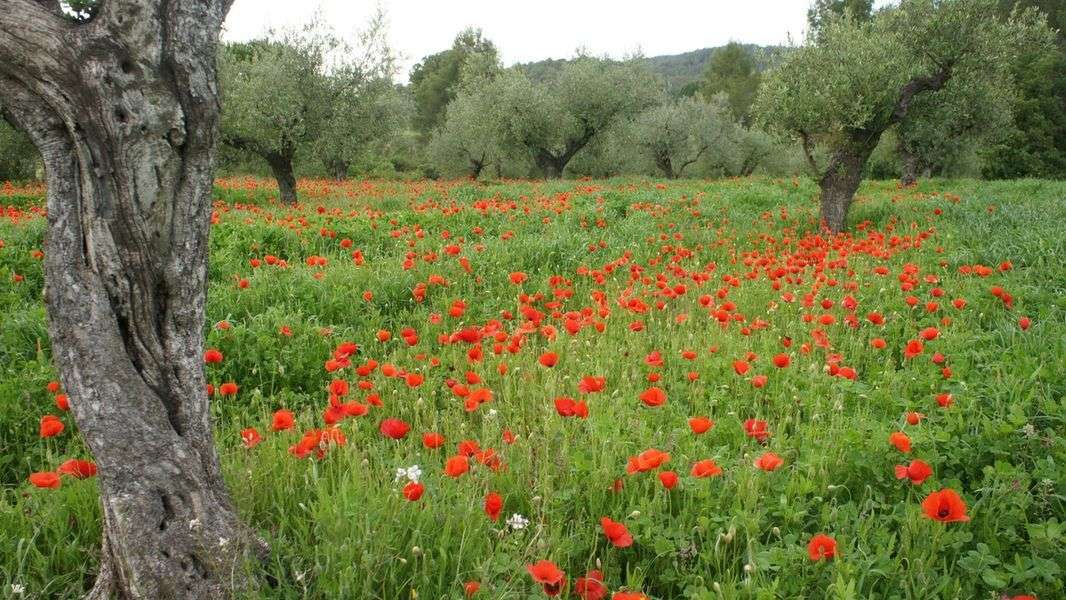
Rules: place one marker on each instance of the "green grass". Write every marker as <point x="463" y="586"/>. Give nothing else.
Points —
<point x="340" y="528"/>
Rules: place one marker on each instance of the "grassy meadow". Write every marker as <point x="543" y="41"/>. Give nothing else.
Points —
<point x="724" y="328"/>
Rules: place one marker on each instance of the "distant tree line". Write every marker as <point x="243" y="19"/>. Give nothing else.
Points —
<point x="922" y="88"/>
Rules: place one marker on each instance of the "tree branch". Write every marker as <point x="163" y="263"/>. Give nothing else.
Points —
<point x="808" y="152"/>
<point x="918" y="85"/>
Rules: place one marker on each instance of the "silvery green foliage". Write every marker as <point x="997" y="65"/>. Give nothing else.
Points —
<point x="307" y="90"/>
<point x="851" y="77"/>
<point x="675" y="135"/>
<point x="276" y="92"/>
<point x="468" y="141"/>
<point x="368" y="109"/>
<point x="552" y="121"/>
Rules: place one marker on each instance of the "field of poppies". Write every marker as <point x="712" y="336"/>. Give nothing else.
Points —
<point x="599" y="389"/>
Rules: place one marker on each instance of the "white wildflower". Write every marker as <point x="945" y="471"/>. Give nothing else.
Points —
<point x="517" y="521"/>
<point x="412" y="473"/>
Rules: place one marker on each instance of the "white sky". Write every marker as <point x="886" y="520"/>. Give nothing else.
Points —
<point x="533" y="30"/>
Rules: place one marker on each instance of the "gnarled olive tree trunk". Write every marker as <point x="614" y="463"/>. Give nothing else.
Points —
<point x="843" y="175"/>
<point x="124" y="109"/>
<point x="281" y="167"/>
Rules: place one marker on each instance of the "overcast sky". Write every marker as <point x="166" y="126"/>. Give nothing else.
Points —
<point x="533" y="30"/>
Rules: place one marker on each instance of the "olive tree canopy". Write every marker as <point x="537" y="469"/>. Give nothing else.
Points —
<point x="551" y="121"/>
<point x="675" y="135"/>
<point x="857" y="79"/>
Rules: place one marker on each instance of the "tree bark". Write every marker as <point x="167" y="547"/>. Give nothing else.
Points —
<point x="124" y="110"/>
<point x="909" y="166"/>
<point x="550" y="166"/>
<point x="476" y="166"/>
<point x="843" y="176"/>
<point x="339" y="169"/>
<point x="281" y="166"/>
<point x="909" y="173"/>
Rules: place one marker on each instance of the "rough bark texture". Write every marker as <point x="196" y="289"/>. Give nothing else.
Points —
<point x="476" y="166"/>
<point x="124" y="109"/>
<point x="663" y="162"/>
<point x="843" y="176"/>
<point x="550" y="165"/>
<point x="281" y="166"/>
<point x="339" y="169"/>
<point x="909" y="171"/>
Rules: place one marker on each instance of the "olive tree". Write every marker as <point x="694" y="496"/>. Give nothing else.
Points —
<point x="553" y="120"/>
<point x="949" y="123"/>
<point x="676" y="134"/>
<point x="858" y="79"/>
<point x="468" y="140"/>
<point x="365" y="107"/>
<point x="121" y="100"/>
<point x="277" y="99"/>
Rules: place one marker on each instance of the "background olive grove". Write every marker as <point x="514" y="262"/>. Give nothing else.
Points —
<point x="305" y="103"/>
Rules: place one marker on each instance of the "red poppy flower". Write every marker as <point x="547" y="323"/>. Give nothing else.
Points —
<point x="228" y="389"/>
<point x="929" y="333"/>
<point x="493" y="505"/>
<point x="706" y="468"/>
<point x="945" y="506"/>
<point x="900" y="441"/>
<point x="913" y="418"/>
<point x="62" y="402"/>
<point x="769" y="461"/>
<point x="432" y="440"/>
<point x="339" y="387"/>
<point x="413" y="380"/>
<point x="51" y="426"/>
<point x="616" y="533"/>
<point x="646" y="461"/>
<point x="914" y="348"/>
<point x="413" y="491"/>
<point x="822" y="547"/>
<point x="756" y="428"/>
<point x="668" y="479"/>
<point x="80" y="469"/>
<point x="456" y="466"/>
<point x="590" y="384"/>
<point x="590" y="587"/>
<point x="918" y="471"/>
<point x="944" y="400"/>
<point x="629" y="596"/>
<point x="250" y="437"/>
<point x="548" y="359"/>
<point x="45" y="479"/>
<point x="394" y="428"/>
<point x="1024" y="323"/>
<point x="212" y="356"/>
<point x="283" y="420"/>
<point x="653" y="396"/>
<point x="470" y="588"/>
<point x="700" y="425"/>
<point x="741" y="367"/>
<point x="53" y="387"/>
<point x="518" y="278"/>
<point x="781" y="361"/>
<point x="548" y="575"/>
